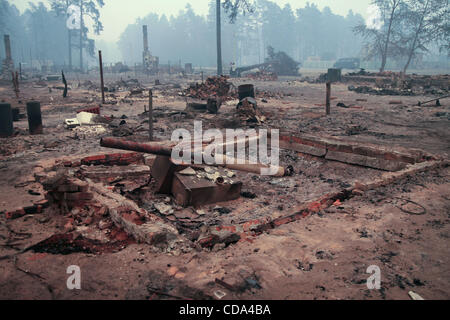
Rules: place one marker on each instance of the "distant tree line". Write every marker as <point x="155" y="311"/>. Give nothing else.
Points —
<point x="406" y="30"/>
<point x="191" y="37"/>
<point x="37" y="34"/>
<point x="40" y="34"/>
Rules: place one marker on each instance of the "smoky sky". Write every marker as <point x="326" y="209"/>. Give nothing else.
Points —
<point x="117" y="14"/>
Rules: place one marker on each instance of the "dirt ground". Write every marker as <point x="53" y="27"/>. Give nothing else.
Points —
<point x="324" y="256"/>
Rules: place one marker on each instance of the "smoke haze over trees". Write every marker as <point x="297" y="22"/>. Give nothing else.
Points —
<point x="302" y="33"/>
<point x="36" y="34"/>
<point x="39" y="34"/>
<point x="308" y="35"/>
<point x="407" y="29"/>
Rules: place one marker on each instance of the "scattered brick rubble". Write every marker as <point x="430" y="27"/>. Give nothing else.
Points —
<point x="84" y="191"/>
<point x="213" y="86"/>
<point x="263" y="76"/>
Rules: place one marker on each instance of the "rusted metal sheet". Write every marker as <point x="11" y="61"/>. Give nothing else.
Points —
<point x="162" y="172"/>
<point x="194" y="191"/>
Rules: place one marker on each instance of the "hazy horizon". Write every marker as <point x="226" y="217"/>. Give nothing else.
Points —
<point x="133" y="9"/>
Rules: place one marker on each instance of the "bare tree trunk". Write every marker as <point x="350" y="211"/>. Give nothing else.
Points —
<point x="70" y="49"/>
<point x="70" y="40"/>
<point x="416" y="37"/>
<point x="81" y="36"/>
<point x="408" y="62"/>
<point x="219" y="39"/>
<point x="388" y="37"/>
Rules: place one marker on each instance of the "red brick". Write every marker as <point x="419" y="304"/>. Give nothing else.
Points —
<point x="226" y="228"/>
<point x="121" y="235"/>
<point x="94" y="160"/>
<point x="67" y="163"/>
<point x="209" y="241"/>
<point x="131" y="158"/>
<point x="15" y="214"/>
<point x="314" y="207"/>
<point x="129" y="155"/>
<point x="115" y="157"/>
<point x="44" y="203"/>
<point x="133" y="217"/>
<point x="281" y="221"/>
<point x="246" y="226"/>
<point x="76" y="163"/>
<point x="301" y="215"/>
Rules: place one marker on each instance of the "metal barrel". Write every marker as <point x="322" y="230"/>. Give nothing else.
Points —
<point x="34" y="117"/>
<point x="6" y="120"/>
<point x="246" y="90"/>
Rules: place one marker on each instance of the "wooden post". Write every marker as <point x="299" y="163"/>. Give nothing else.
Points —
<point x="328" y="98"/>
<point x="81" y="37"/>
<point x="70" y="50"/>
<point x="65" y="84"/>
<point x="150" y="114"/>
<point x="15" y="80"/>
<point x="101" y="75"/>
<point x="219" y="38"/>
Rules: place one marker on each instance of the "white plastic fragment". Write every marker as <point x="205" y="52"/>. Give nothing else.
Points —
<point x="415" y="296"/>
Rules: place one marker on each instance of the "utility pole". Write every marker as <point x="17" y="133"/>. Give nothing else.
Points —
<point x="219" y="39"/>
<point x="70" y="40"/>
<point x="150" y="114"/>
<point x="81" y="36"/>
<point x="100" y="61"/>
<point x="328" y="98"/>
<point x="70" y="49"/>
